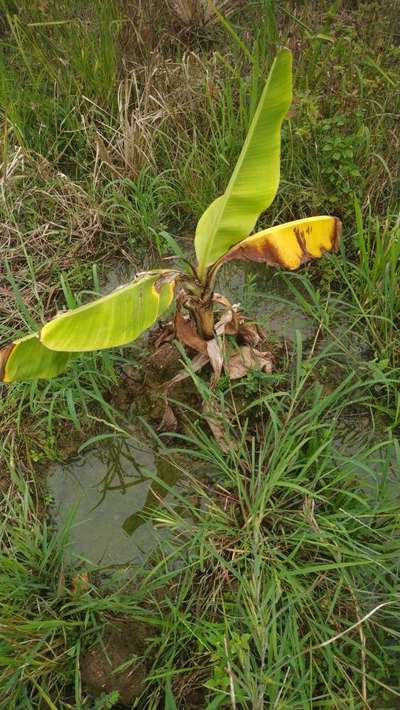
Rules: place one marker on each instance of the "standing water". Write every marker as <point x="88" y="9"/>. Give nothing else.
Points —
<point x="110" y="492"/>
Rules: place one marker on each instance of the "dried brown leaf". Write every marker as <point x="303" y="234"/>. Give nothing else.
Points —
<point x="187" y="334"/>
<point x="198" y="362"/>
<point x="169" y="421"/>
<point x="228" y="323"/>
<point x="248" y="359"/>
<point x="216" y="359"/>
<point x="80" y="583"/>
<point x="216" y="422"/>
<point x="248" y="334"/>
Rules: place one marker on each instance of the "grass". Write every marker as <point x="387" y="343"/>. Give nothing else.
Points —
<point x="280" y="583"/>
<point x="47" y="619"/>
<point x="110" y="151"/>
<point x="288" y="559"/>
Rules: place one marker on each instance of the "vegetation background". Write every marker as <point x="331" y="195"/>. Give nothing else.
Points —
<point x="120" y="122"/>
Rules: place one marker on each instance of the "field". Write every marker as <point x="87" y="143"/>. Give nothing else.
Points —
<point x="278" y="586"/>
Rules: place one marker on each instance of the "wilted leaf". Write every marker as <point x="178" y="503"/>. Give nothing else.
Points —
<point x="169" y="421"/>
<point x="229" y="321"/>
<point x="289" y="245"/>
<point x="186" y="332"/>
<point x="222" y="300"/>
<point x="217" y="424"/>
<point x="80" y="583"/>
<point x="227" y="324"/>
<point x="249" y="333"/>
<point x="308" y="510"/>
<point x="198" y="362"/>
<point x="216" y="359"/>
<point x="248" y="359"/>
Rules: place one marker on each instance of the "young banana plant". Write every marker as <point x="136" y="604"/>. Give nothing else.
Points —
<point x="221" y="236"/>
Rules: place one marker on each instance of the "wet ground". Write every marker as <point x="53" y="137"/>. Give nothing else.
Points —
<point x="111" y="493"/>
<point x="263" y="295"/>
<point x="372" y="455"/>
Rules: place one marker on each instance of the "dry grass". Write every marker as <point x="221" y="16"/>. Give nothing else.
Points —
<point x="161" y="103"/>
<point x="199" y="14"/>
<point x="48" y="225"/>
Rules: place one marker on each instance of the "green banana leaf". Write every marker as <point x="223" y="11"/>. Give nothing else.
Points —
<point x="27" y="359"/>
<point x="113" y="320"/>
<point x="255" y="179"/>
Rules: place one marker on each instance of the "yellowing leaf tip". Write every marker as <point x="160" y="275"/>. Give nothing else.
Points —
<point x="4" y="355"/>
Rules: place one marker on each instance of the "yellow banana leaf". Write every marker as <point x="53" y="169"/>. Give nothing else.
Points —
<point x="289" y="245"/>
<point x="113" y="320"/>
<point x="27" y="359"/>
<point x="255" y="178"/>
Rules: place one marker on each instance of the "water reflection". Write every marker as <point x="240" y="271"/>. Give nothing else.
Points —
<point x="112" y="493"/>
<point x="374" y="455"/>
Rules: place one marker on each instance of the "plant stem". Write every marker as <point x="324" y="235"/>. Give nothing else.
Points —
<point x="204" y="315"/>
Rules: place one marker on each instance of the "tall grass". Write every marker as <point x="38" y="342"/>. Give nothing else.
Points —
<point x="286" y="592"/>
<point x="47" y="620"/>
<point x="279" y="583"/>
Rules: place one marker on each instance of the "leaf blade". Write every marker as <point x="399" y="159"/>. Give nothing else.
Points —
<point x="113" y="320"/>
<point x="250" y="190"/>
<point x="289" y="245"/>
<point x="28" y="359"/>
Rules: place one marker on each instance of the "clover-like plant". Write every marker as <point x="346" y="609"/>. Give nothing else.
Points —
<point x="222" y="235"/>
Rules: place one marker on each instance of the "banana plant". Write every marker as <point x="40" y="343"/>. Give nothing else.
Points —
<point x="223" y="234"/>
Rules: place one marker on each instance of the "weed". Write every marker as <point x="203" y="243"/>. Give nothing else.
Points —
<point x="284" y="559"/>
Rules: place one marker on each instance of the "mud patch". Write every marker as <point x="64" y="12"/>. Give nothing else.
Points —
<point x="118" y="662"/>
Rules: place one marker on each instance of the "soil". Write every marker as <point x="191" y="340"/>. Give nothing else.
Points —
<point x="125" y="641"/>
<point x="144" y="389"/>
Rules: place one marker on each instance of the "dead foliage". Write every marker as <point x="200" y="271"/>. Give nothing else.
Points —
<point x="248" y="359"/>
<point x="200" y="14"/>
<point x="48" y="225"/>
<point x="172" y="24"/>
<point x="161" y="102"/>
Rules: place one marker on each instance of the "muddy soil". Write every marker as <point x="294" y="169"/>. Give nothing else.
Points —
<point x="125" y="642"/>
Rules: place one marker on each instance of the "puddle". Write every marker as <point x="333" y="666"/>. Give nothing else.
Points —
<point x="109" y="491"/>
<point x="109" y="487"/>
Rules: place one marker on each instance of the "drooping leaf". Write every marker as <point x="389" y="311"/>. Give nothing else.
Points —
<point x="255" y="179"/>
<point x="113" y="320"/>
<point x="289" y="245"/>
<point x="28" y="359"/>
<point x="219" y="423"/>
<point x="214" y="352"/>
